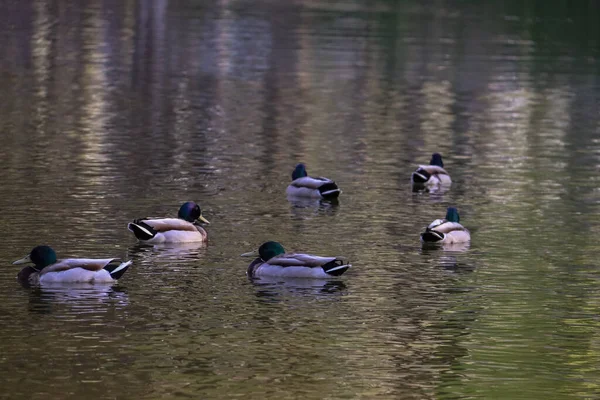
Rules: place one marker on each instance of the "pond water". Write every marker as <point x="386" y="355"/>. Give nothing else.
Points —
<point x="117" y="110"/>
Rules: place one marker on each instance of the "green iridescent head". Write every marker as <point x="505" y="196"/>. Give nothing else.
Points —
<point x="40" y="256"/>
<point x="452" y="215"/>
<point x="299" y="172"/>
<point x="190" y="211"/>
<point x="269" y="250"/>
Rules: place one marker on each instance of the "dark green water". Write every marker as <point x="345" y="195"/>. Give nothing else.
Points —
<point x="114" y="110"/>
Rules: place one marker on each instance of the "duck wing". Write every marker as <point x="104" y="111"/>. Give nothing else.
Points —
<point x="168" y="224"/>
<point x="436" y="223"/>
<point x="433" y="169"/>
<point x="90" y="264"/>
<point x="310" y="182"/>
<point x="448" y="227"/>
<point x="300" y="260"/>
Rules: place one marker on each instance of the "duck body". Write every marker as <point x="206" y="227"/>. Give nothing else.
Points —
<point x="183" y="229"/>
<point x="295" y="265"/>
<point x="76" y="270"/>
<point x="433" y="174"/>
<point x="277" y="263"/>
<point x="303" y="185"/>
<point x="48" y="269"/>
<point x="447" y="230"/>
<point x="167" y="230"/>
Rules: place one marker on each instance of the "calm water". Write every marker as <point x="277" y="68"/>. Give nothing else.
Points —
<point x="114" y="110"/>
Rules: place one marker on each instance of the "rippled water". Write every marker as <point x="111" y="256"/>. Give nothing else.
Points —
<point x="117" y="110"/>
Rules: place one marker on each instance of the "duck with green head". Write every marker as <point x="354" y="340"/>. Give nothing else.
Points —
<point x="272" y="260"/>
<point x="313" y="187"/>
<point x="48" y="269"/>
<point x="447" y="230"/>
<point x="185" y="228"/>
<point x="432" y="174"/>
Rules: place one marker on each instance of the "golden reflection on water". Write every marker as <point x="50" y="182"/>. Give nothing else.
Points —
<point x="41" y="51"/>
<point x="96" y="88"/>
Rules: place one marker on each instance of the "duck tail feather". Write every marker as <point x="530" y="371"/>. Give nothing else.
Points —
<point x="141" y="230"/>
<point x="420" y="176"/>
<point x="329" y="190"/>
<point x="116" y="269"/>
<point x="432" y="236"/>
<point x="335" y="267"/>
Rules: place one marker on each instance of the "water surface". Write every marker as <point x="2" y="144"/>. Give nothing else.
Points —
<point x="118" y="110"/>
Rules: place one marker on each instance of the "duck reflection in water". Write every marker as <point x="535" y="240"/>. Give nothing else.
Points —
<point x="435" y="190"/>
<point x="446" y="255"/>
<point x="168" y="251"/>
<point x="82" y="297"/>
<point x="449" y="247"/>
<point x="302" y="207"/>
<point x="274" y="289"/>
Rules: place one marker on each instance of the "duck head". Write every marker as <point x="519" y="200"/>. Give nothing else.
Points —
<point x="40" y="256"/>
<point x="267" y="251"/>
<point x="452" y="215"/>
<point x="299" y="172"/>
<point x="191" y="212"/>
<point x="436" y="159"/>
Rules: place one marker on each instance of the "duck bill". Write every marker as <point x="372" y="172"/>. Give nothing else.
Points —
<point x="24" y="260"/>
<point x="253" y="253"/>
<point x="201" y="218"/>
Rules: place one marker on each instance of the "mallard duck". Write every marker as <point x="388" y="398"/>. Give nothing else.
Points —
<point x="447" y="230"/>
<point x="184" y="228"/>
<point x="432" y="174"/>
<point x="272" y="260"/>
<point x="305" y="186"/>
<point x="47" y="269"/>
